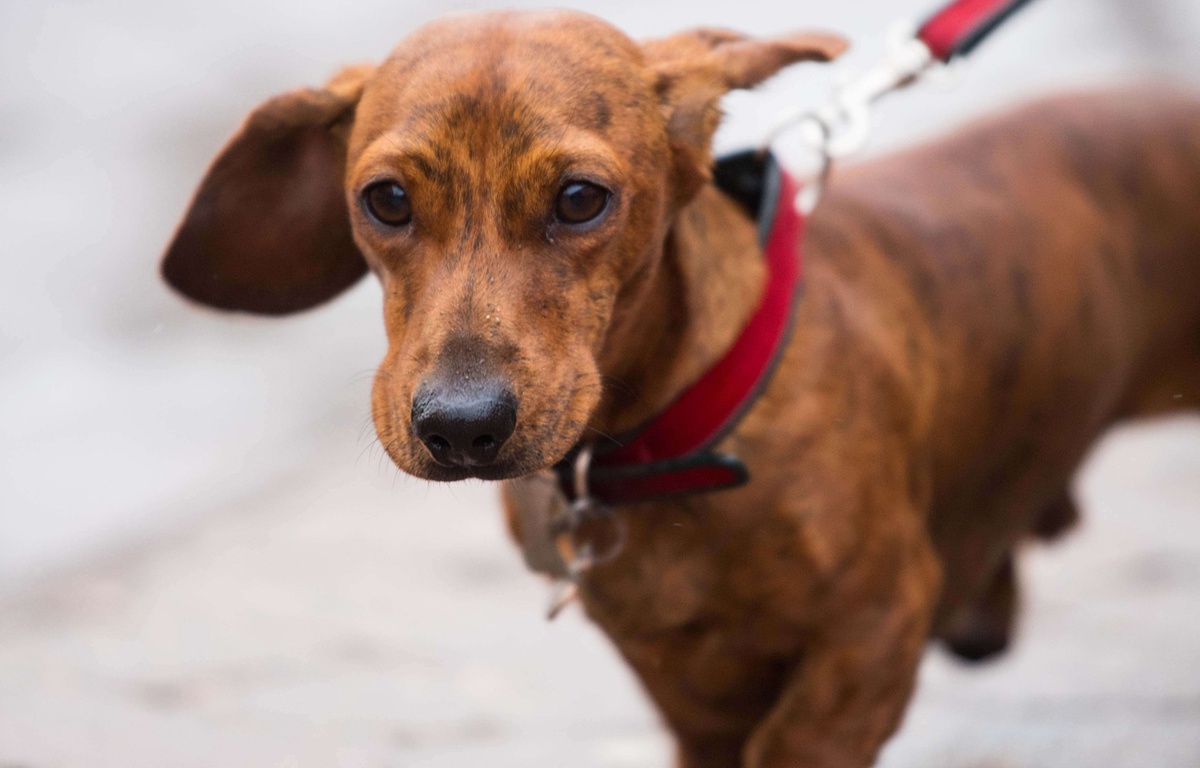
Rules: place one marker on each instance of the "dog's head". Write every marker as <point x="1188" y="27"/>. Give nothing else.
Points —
<point x="510" y="179"/>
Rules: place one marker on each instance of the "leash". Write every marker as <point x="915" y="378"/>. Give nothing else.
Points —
<point x="566" y="516"/>
<point x="842" y="127"/>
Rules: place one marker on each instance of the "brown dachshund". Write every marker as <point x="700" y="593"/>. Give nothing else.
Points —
<point x="534" y="192"/>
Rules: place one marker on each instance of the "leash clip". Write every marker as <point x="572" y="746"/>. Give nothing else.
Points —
<point x="842" y="126"/>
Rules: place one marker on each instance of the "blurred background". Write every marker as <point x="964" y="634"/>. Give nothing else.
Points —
<point x="205" y="558"/>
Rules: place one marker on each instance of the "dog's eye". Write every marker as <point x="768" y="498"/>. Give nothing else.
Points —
<point x="388" y="203"/>
<point x="580" y="202"/>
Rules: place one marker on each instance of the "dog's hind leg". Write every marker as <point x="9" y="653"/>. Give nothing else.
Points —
<point x="1056" y="520"/>
<point x="985" y="630"/>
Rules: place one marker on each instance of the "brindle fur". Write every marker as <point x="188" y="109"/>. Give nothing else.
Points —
<point x="976" y="312"/>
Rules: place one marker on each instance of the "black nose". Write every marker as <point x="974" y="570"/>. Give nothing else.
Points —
<point x="464" y="427"/>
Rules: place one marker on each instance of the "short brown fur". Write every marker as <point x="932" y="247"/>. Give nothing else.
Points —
<point x="975" y="313"/>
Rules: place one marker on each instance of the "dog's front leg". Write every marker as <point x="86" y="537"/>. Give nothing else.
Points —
<point x="848" y="694"/>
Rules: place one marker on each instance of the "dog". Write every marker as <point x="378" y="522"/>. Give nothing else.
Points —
<point x="535" y="193"/>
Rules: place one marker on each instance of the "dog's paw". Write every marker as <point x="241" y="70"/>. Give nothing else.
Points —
<point x="1056" y="520"/>
<point x="981" y="642"/>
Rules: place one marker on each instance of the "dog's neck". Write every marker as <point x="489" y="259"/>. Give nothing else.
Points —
<point x="685" y="315"/>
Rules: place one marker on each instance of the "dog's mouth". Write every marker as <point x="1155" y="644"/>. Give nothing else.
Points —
<point x="498" y="471"/>
<point x="513" y="462"/>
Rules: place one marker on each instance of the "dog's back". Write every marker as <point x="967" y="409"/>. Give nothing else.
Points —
<point x="1049" y="264"/>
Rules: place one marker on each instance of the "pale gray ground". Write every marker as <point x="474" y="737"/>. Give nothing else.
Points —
<point x="200" y="565"/>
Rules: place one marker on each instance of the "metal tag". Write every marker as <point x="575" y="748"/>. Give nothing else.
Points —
<point x="561" y="538"/>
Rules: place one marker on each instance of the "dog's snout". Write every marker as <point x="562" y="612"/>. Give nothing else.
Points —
<point x="464" y="428"/>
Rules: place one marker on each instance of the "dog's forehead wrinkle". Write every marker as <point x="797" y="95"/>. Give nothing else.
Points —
<point x="551" y="69"/>
<point x="469" y="133"/>
<point x="509" y="26"/>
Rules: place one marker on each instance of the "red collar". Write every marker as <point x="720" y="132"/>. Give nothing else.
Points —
<point x="673" y="454"/>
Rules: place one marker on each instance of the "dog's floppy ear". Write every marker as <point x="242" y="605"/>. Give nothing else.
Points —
<point x="268" y="230"/>
<point x="694" y="69"/>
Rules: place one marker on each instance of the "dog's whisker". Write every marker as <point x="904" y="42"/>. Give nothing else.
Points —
<point x="355" y="378"/>
<point x="605" y="435"/>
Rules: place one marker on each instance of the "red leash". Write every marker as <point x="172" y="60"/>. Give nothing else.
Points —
<point x="962" y="25"/>
<point x="843" y="126"/>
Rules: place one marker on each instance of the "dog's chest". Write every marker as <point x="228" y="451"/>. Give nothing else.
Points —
<point x="686" y="567"/>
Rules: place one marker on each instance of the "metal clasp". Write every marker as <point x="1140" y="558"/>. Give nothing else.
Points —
<point x="842" y="127"/>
